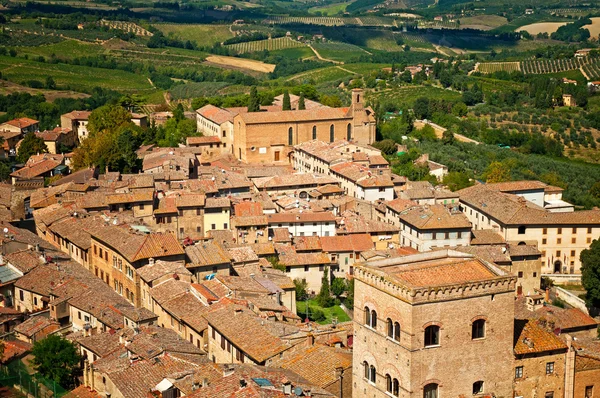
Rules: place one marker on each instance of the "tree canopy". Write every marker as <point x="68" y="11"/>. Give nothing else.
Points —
<point x="590" y="273"/>
<point x="112" y="142"/>
<point x="56" y="358"/>
<point x="31" y="145"/>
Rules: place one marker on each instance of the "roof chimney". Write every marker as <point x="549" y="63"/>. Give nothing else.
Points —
<point x="310" y="340"/>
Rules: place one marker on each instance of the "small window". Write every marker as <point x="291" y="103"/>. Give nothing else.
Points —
<point x="522" y="230"/>
<point x="518" y="372"/>
<point x="544" y="241"/>
<point x="349" y="132"/>
<point x="572" y="253"/>
<point x="549" y="394"/>
<point x="558" y="241"/>
<point x="430" y="391"/>
<point x="395" y="387"/>
<point x="291" y="136"/>
<point x="520" y="274"/>
<point x="432" y="336"/>
<point x="478" y="387"/>
<point x="559" y="231"/>
<point x="545" y="231"/>
<point x="574" y="230"/>
<point x="589" y="391"/>
<point x="478" y="329"/>
<point x="388" y="383"/>
<point x="372" y="374"/>
<point x="314" y="132"/>
<point x="331" y="133"/>
<point x="549" y="368"/>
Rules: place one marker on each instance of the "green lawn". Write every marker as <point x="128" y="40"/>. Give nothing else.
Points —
<point x="335" y="311"/>
<point x="203" y="35"/>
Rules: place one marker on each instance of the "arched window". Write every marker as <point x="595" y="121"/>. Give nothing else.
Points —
<point x="291" y="136"/>
<point x="373" y="319"/>
<point x="396" y="331"/>
<point x="478" y="387"/>
<point x="478" y="329"/>
<point x="430" y="391"/>
<point x="366" y="369"/>
<point x="349" y="132"/>
<point x="331" y="133"/>
<point x="367" y="316"/>
<point x="432" y="335"/>
<point x="390" y="328"/>
<point x="388" y="383"/>
<point x="372" y="374"/>
<point x="314" y="133"/>
<point x="395" y="387"/>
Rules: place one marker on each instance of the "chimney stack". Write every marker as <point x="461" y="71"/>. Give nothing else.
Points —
<point x="310" y="340"/>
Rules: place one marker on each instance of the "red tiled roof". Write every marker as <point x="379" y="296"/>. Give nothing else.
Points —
<point x="347" y="243"/>
<point x="22" y="122"/>
<point x="532" y="338"/>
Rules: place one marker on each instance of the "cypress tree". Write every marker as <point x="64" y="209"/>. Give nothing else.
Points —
<point x="253" y="103"/>
<point x="287" y="106"/>
<point x="301" y="105"/>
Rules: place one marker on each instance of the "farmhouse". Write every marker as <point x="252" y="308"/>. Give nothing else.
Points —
<point x="269" y="135"/>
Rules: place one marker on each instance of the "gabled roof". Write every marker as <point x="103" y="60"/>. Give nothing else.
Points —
<point x="134" y="246"/>
<point x="250" y="334"/>
<point x="216" y="114"/>
<point x="22" y="122"/>
<point x="347" y="243"/>
<point x="531" y="338"/>
<point x="434" y="217"/>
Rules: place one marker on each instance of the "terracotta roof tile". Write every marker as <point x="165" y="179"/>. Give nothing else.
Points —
<point x="532" y="338"/>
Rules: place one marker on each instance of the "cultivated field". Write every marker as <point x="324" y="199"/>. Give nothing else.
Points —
<point x="325" y="21"/>
<point x="594" y="28"/>
<point x="203" y="35"/>
<point x="240" y="63"/>
<point x="279" y="43"/>
<point x="74" y="77"/>
<point x="331" y="9"/>
<point x="491" y="67"/>
<point x="541" y="27"/>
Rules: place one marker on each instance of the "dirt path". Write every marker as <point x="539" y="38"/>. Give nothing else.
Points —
<point x="345" y="70"/>
<point x="441" y="51"/>
<point x="584" y="74"/>
<point x="321" y="58"/>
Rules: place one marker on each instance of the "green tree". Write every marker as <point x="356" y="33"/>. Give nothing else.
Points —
<point x="421" y="108"/>
<point x="324" y="297"/>
<point x="301" y="289"/>
<point x="56" y="358"/>
<point x="595" y="190"/>
<point x="274" y="260"/>
<point x="301" y="104"/>
<point x="590" y="273"/>
<point x="338" y="286"/>
<point x="456" y="180"/>
<point x="50" y="83"/>
<point x="287" y="106"/>
<point x="253" y="101"/>
<point x="460" y="109"/>
<point x="386" y="146"/>
<point x="448" y="137"/>
<point x="112" y="141"/>
<point x="406" y="76"/>
<point x="497" y="172"/>
<point x="349" y="302"/>
<point x="31" y="145"/>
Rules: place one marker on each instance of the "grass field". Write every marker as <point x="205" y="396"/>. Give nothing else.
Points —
<point x="194" y="90"/>
<point x="73" y="76"/>
<point x="65" y="49"/>
<point x="338" y="51"/>
<point x="363" y="69"/>
<point x="319" y="76"/>
<point x="408" y="94"/>
<point x="541" y="27"/>
<point x="295" y="53"/>
<point x="240" y="63"/>
<point x="279" y="43"/>
<point x="203" y="35"/>
<point x="482" y="22"/>
<point x="335" y="311"/>
<point x="331" y="9"/>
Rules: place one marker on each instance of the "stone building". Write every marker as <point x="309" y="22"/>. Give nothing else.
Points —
<point x="427" y="326"/>
<point x="269" y="135"/>
<point x="560" y="236"/>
